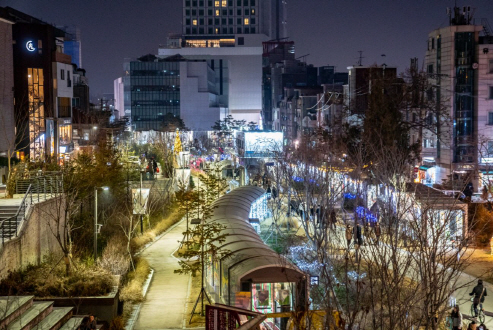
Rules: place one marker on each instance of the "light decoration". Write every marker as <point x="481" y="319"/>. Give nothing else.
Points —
<point x="349" y="196"/>
<point x="258" y="210"/>
<point x="363" y="213"/>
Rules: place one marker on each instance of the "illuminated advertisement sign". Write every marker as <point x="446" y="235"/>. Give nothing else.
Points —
<point x="263" y="144"/>
<point x="30" y="46"/>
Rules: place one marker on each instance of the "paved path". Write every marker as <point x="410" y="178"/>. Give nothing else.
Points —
<point x="164" y="307"/>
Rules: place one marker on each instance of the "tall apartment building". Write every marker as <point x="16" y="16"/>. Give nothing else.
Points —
<point x="459" y="63"/>
<point x="208" y="23"/>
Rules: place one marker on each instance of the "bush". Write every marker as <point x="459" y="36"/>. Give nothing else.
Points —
<point x="117" y="323"/>
<point x="140" y="241"/>
<point x="48" y="281"/>
<point x="132" y="291"/>
<point x="115" y="257"/>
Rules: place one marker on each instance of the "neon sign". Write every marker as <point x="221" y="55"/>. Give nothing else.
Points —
<point x="30" y="46"/>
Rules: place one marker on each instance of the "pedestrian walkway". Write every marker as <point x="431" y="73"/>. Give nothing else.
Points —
<point x="164" y="307"/>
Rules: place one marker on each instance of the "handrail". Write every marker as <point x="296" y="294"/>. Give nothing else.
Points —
<point x="14" y="220"/>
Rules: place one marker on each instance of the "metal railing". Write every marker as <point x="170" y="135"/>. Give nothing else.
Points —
<point x="47" y="183"/>
<point x="10" y="227"/>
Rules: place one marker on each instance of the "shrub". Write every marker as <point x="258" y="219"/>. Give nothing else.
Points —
<point x="48" y="281"/>
<point x="115" y="257"/>
<point x="132" y="291"/>
<point x="117" y="323"/>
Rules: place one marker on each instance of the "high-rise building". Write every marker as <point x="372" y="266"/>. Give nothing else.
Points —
<point x="459" y="64"/>
<point x="208" y="23"/>
<point x="230" y="35"/>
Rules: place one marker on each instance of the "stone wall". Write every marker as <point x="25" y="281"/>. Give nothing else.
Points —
<point x="35" y="239"/>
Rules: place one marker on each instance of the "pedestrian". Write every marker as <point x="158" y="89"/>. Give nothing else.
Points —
<point x="367" y="232"/>
<point x="333" y="219"/>
<point x="358" y="237"/>
<point x="472" y="326"/>
<point x="378" y="232"/>
<point x="154" y="165"/>
<point x="88" y="323"/>
<point x="482" y="326"/>
<point x="349" y="236"/>
<point x="457" y="319"/>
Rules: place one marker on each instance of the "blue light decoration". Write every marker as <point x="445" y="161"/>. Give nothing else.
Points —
<point x="297" y="179"/>
<point x="349" y="196"/>
<point x="258" y="210"/>
<point x="364" y="213"/>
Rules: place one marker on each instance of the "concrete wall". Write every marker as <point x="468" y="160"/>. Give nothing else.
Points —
<point x="35" y="239"/>
<point x="7" y="122"/>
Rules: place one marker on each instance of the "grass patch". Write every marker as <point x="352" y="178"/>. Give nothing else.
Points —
<point x="131" y="293"/>
<point x="47" y="281"/>
<point x="140" y="241"/>
<point x="197" y="319"/>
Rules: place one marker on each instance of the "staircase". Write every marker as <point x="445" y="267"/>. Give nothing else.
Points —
<point x="8" y="220"/>
<point x="23" y="313"/>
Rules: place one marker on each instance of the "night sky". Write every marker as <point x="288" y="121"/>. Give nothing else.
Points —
<point x="332" y="32"/>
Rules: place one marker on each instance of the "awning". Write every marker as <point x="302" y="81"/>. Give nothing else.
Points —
<point x="425" y="167"/>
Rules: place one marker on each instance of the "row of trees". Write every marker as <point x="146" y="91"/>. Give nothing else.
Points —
<point x="392" y="284"/>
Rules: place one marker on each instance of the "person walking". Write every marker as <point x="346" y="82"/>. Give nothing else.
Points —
<point x="358" y="237"/>
<point x="479" y="292"/>
<point x="456" y="317"/>
<point x="333" y="219"/>
<point x="349" y="236"/>
<point x="378" y="232"/>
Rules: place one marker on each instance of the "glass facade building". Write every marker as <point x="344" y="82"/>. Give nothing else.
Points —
<point x="154" y="92"/>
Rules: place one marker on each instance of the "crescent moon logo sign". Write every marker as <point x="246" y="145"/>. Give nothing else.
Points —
<point x="29" y="46"/>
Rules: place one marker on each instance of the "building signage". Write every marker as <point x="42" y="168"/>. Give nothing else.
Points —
<point x="30" y="46"/>
<point x="488" y="160"/>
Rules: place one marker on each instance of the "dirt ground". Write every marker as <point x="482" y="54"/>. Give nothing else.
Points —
<point x="197" y="320"/>
<point x="480" y="264"/>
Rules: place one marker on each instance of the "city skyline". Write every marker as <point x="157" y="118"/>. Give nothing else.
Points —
<point x="333" y="34"/>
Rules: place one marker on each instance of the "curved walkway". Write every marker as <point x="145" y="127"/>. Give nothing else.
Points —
<point x="164" y="306"/>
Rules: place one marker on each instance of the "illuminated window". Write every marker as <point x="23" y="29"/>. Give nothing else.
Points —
<point x="194" y="22"/>
<point x="224" y="3"/>
<point x="36" y="112"/>
<point x="253" y="11"/>
<point x="247" y="21"/>
<point x="217" y="12"/>
<point x="217" y="31"/>
<point x="216" y="3"/>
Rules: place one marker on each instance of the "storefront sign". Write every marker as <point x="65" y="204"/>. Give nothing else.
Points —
<point x="30" y="46"/>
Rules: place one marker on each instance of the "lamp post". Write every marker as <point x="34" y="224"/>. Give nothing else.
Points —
<point x="96" y="221"/>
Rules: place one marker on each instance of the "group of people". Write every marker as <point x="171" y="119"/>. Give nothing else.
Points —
<point x="357" y="233"/>
<point x="478" y="297"/>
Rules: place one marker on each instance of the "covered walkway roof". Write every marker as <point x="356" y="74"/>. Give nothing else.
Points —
<point x="247" y="257"/>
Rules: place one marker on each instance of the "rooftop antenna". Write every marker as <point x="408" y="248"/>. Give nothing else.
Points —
<point x="360" y="60"/>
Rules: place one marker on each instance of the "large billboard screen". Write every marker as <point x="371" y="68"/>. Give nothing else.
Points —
<point x="263" y="144"/>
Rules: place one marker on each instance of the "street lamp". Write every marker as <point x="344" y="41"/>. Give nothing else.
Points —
<point x="96" y="221"/>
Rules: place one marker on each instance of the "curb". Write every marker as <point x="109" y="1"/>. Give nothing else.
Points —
<point x="136" y="308"/>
